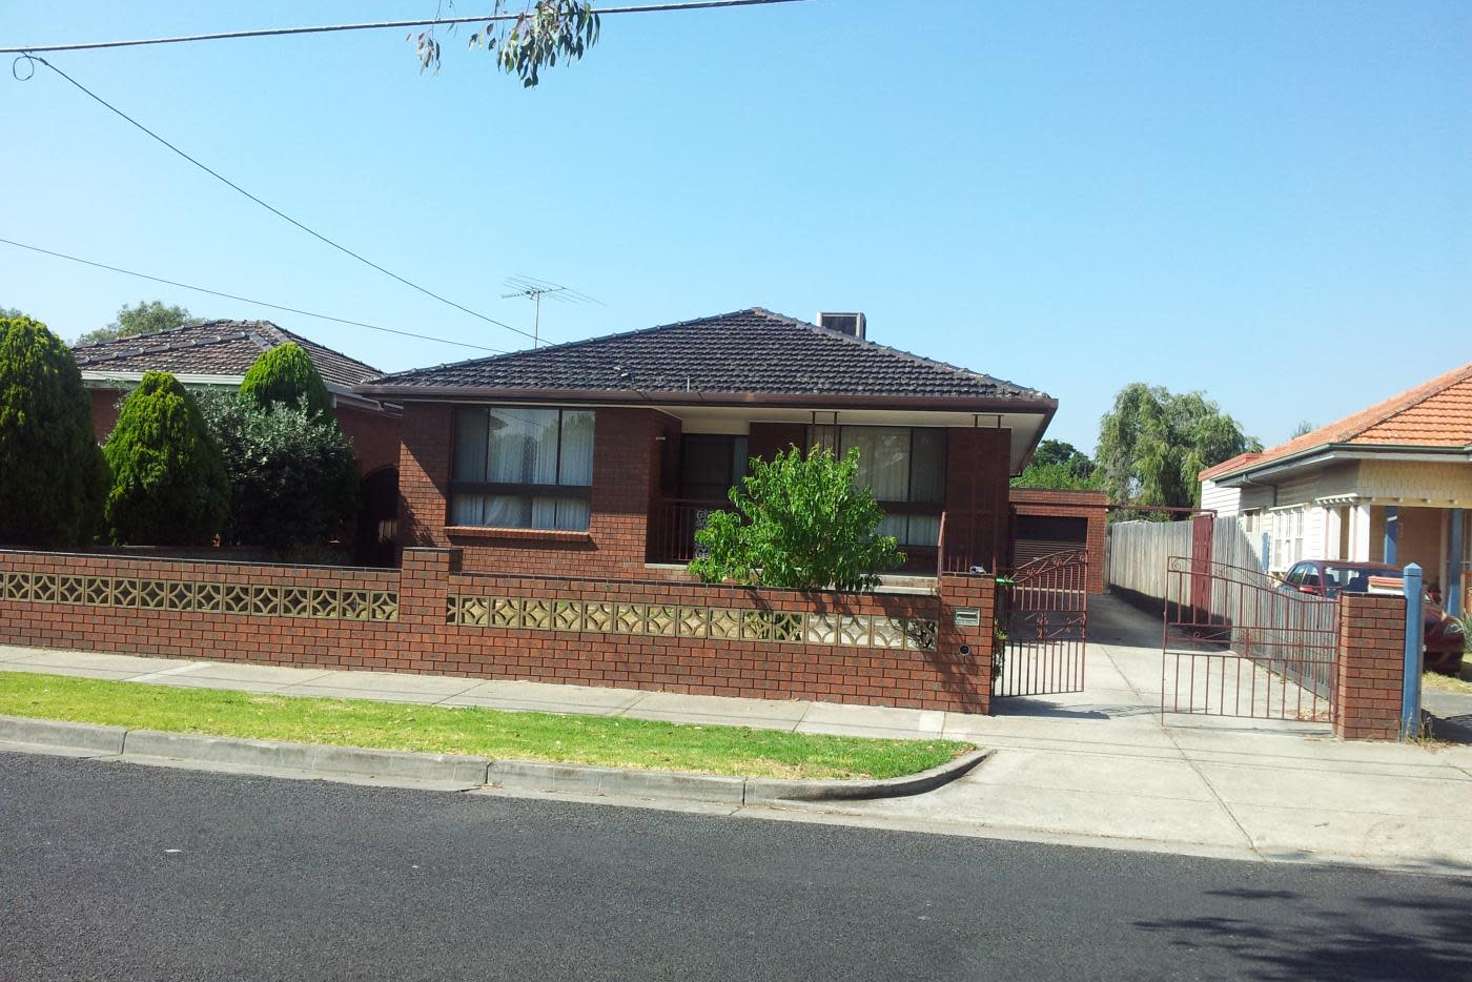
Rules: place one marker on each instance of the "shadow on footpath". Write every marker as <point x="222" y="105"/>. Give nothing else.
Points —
<point x="1355" y="943"/>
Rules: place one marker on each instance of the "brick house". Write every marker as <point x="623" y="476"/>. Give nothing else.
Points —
<point x="601" y="457"/>
<point x="218" y="354"/>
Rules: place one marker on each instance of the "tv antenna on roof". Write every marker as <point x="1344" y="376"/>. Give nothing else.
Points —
<point x="534" y="290"/>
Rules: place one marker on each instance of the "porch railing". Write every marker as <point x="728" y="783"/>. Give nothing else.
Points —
<point x="967" y="542"/>
<point x="673" y="523"/>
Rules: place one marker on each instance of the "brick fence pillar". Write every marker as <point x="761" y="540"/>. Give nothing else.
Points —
<point x="424" y="585"/>
<point x="960" y="595"/>
<point x="1370" y="667"/>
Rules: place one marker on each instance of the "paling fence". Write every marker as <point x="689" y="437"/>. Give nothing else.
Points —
<point x="1137" y="555"/>
<point x="1138" y="551"/>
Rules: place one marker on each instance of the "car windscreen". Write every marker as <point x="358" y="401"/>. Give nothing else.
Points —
<point x="1352" y="579"/>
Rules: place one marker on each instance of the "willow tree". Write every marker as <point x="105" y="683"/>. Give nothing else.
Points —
<point x="1154" y="443"/>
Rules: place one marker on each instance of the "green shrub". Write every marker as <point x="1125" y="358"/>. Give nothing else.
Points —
<point x="286" y="376"/>
<point x="293" y="478"/>
<point x="168" y="479"/>
<point x="801" y="523"/>
<point x="50" y="486"/>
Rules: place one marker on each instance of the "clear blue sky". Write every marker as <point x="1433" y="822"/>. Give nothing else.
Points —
<point x="1270" y="202"/>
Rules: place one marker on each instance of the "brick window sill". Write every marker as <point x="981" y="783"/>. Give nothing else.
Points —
<point x="516" y="534"/>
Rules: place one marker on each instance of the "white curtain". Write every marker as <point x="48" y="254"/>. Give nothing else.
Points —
<point x="572" y="514"/>
<point x="884" y="459"/>
<point x="577" y="448"/>
<point x="468" y="509"/>
<point x="924" y="530"/>
<point x="523" y="446"/>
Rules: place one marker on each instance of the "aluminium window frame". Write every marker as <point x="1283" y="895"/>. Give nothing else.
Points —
<point x="905" y="508"/>
<point x="509" y="488"/>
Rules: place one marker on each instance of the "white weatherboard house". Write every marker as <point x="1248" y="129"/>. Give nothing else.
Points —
<point x="1391" y="483"/>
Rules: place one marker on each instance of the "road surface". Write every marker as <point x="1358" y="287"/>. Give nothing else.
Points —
<point x="114" y="871"/>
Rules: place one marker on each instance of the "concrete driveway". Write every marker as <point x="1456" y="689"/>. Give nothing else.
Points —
<point x="1106" y="763"/>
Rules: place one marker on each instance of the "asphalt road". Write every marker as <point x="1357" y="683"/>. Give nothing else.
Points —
<point x="113" y="871"/>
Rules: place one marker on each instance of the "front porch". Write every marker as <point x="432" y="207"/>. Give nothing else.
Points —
<point x="941" y="486"/>
<point x="1398" y="533"/>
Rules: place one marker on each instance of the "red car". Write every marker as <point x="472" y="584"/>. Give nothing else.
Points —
<point x="1330" y="577"/>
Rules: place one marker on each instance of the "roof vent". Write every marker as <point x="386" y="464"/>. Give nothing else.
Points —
<point x="851" y="324"/>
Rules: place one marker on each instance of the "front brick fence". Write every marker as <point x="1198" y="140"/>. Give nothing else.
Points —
<point x="430" y="617"/>
<point x="1370" y="668"/>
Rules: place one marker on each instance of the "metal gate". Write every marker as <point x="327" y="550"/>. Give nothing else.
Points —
<point x="1239" y="643"/>
<point x="1044" y="608"/>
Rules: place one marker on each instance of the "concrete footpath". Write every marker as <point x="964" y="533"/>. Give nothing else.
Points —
<point x="1101" y="767"/>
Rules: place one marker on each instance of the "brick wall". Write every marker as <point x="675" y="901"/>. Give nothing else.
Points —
<point x="1370" y="668"/>
<point x="202" y="628"/>
<point x="430" y="617"/>
<point x="978" y="469"/>
<point x="626" y="453"/>
<point x="1091" y="506"/>
<point x="374" y="436"/>
<point x="104" y="411"/>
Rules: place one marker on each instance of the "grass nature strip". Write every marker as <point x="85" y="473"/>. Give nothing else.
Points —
<point x="498" y="734"/>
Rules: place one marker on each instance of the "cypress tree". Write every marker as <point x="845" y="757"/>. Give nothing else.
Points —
<point x="168" y="479"/>
<point x="285" y="375"/>
<point x="50" y="472"/>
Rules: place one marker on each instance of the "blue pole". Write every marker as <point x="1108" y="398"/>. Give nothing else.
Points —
<point x="1410" y="697"/>
<point x="1392" y="533"/>
<point x="1454" y="564"/>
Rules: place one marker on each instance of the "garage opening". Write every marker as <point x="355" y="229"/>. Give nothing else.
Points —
<point x="1041" y="535"/>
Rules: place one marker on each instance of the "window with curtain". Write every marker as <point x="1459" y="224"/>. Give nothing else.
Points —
<point x="905" y="467"/>
<point x="522" y="468"/>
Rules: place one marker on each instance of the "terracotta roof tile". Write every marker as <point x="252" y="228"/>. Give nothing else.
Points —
<point x="214" y="348"/>
<point x="1437" y="413"/>
<point x="746" y="351"/>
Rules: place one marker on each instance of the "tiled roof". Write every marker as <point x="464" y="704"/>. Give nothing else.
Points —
<point x="214" y="348"/>
<point x="747" y="351"/>
<point x="1435" y="414"/>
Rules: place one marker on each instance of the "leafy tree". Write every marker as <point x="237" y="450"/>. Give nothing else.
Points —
<point x="1153" y="443"/>
<point x="1304" y="428"/>
<point x="293" y="479"/>
<point x="144" y="317"/>
<point x="1059" y="452"/>
<point x="543" y="31"/>
<point x="1060" y="466"/>
<point x="50" y="478"/>
<point x="801" y="523"/>
<point x="6" y="313"/>
<point x="168" y="479"/>
<point x="1056" y="477"/>
<point x="285" y="375"/>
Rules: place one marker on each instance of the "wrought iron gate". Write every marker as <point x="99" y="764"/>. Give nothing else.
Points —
<point x="1044" y="608"/>
<point x="1239" y="643"/>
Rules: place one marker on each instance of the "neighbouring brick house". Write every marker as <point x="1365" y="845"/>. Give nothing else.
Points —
<point x="218" y="354"/>
<point x="600" y="457"/>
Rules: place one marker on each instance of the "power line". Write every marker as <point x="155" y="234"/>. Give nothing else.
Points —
<point x="376" y="26"/>
<point x="273" y="209"/>
<point x="250" y="300"/>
